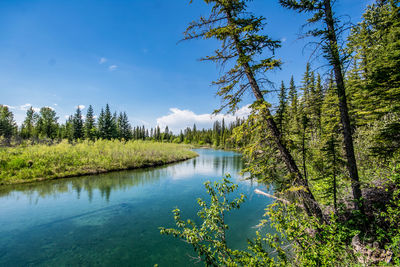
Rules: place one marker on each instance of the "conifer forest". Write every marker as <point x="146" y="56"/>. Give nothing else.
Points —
<point x="325" y="148"/>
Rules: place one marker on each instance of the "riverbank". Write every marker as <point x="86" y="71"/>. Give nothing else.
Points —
<point x="25" y="164"/>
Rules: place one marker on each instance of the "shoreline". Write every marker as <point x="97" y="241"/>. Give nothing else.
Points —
<point x="95" y="172"/>
<point x="35" y="163"/>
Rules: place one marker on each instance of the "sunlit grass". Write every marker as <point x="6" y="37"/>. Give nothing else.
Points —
<point x="38" y="162"/>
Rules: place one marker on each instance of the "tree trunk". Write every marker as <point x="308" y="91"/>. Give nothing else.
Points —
<point x="344" y="113"/>
<point x="310" y="204"/>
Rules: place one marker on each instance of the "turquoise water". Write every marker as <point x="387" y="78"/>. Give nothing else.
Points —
<point x="112" y="219"/>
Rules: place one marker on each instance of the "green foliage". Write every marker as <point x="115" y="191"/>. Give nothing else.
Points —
<point x="300" y="240"/>
<point x="7" y="124"/>
<point x="374" y="79"/>
<point x="209" y="239"/>
<point x="313" y="243"/>
<point x="47" y="125"/>
<point x="392" y="217"/>
<point x="37" y="162"/>
<point x="29" y="124"/>
<point x="386" y="140"/>
<point x="242" y="44"/>
<point x="77" y="124"/>
<point x="90" y="125"/>
<point x="258" y="148"/>
<point x="123" y="126"/>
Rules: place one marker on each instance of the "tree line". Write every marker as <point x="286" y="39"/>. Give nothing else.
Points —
<point x="43" y="125"/>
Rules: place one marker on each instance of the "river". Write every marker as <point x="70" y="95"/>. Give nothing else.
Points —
<point x="112" y="219"/>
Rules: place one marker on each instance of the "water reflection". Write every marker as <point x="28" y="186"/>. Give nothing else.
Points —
<point x="112" y="219"/>
<point x="208" y="164"/>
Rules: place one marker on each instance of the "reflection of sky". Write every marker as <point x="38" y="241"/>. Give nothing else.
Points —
<point x="66" y="217"/>
<point x="79" y="195"/>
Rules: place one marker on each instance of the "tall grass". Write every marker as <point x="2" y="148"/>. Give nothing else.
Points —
<point x="39" y="162"/>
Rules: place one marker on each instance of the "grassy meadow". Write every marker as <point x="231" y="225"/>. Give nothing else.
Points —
<point x="27" y="163"/>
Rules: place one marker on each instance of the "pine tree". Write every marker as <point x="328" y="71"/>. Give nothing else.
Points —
<point x="108" y="124"/>
<point x="241" y="41"/>
<point x="375" y="43"/>
<point x="114" y="126"/>
<point x="69" y="129"/>
<point x="7" y="124"/>
<point x="101" y="125"/>
<point x="77" y="123"/>
<point x="90" y="125"/>
<point x="281" y="111"/>
<point x="321" y="11"/>
<point x="317" y="104"/>
<point x="124" y="128"/>
<point x="293" y="117"/>
<point x="29" y="124"/>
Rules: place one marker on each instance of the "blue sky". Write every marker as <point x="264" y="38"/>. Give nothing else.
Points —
<point x="67" y="53"/>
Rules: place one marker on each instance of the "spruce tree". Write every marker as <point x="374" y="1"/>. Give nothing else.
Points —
<point x="28" y="126"/>
<point x="281" y="111"/>
<point x="69" y="129"/>
<point x="7" y="124"/>
<point x="242" y="44"/>
<point x="375" y="44"/>
<point x="90" y="124"/>
<point x="108" y="124"/>
<point x="77" y="123"/>
<point x="321" y="11"/>
<point x="101" y="125"/>
<point x="124" y="128"/>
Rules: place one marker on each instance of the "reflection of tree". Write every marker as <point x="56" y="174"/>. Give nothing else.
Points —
<point x="106" y="183"/>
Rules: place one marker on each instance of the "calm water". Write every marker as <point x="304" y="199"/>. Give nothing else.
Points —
<point x="113" y="219"/>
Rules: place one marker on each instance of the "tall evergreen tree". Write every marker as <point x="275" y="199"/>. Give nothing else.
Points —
<point x="29" y="124"/>
<point x="241" y="41"/>
<point x="108" y="129"/>
<point x="375" y="44"/>
<point x="281" y="111"/>
<point x="90" y="124"/>
<point x="101" y="125"/>
<point x="77" y="123"/>
<point x="7" y="123"/>
<point x="124" y="128"/>
<point x="321" y="11"/>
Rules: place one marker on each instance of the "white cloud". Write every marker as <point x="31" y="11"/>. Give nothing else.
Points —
<point x="25" y="106"/>
<point x="180" y="119"/>
<point x="283" y="39"/>
<point x="80" y="106"/>
<point x="113" y="67"/>
<point x="10" y="107"/>
<point x="102" y="60"/>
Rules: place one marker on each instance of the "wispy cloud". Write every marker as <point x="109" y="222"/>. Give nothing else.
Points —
<point x="112" y="67"/>
<point x="80" y="106"/>
<point x="180" y="119"/>
<point x="25" y="106"/>
<point x="102" y="60"/>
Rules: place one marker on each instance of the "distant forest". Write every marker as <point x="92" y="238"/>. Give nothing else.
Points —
<point x="43" y="126"/>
